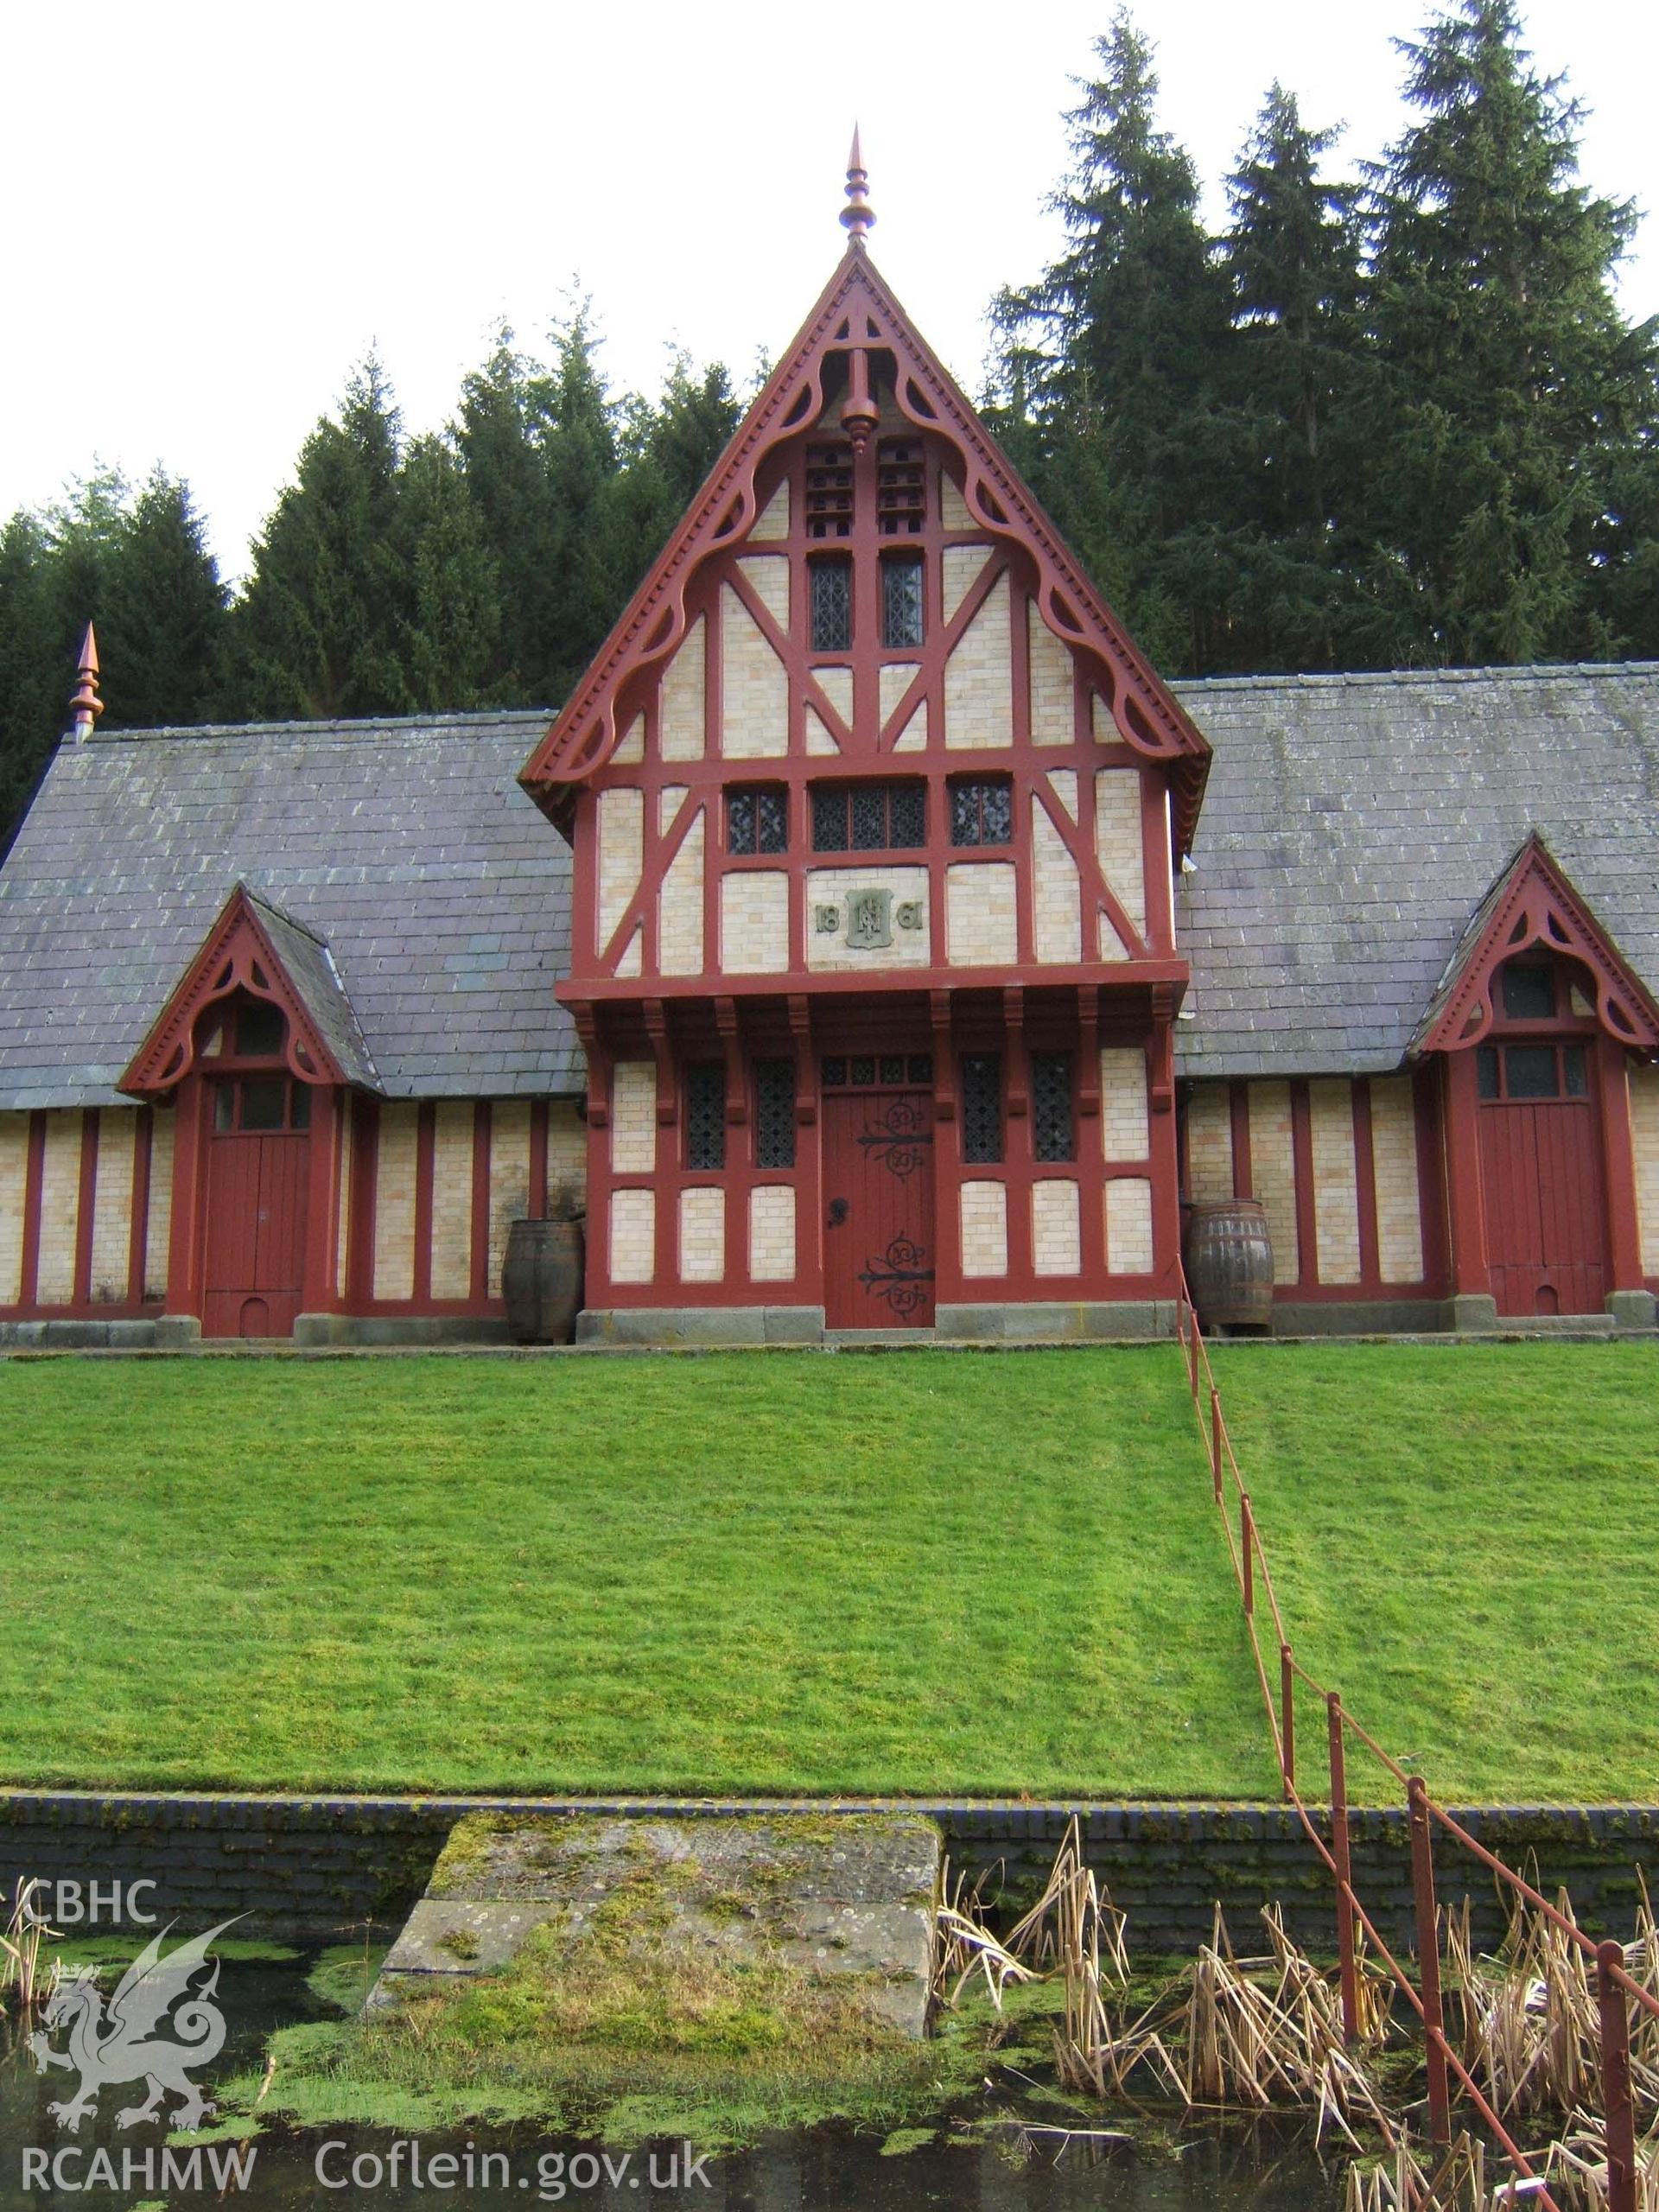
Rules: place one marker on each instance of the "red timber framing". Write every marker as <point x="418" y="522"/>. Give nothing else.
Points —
<point x="1541" y="1178"/>
<point x="1004" y="685"/>
<point x="85" y="1304"/>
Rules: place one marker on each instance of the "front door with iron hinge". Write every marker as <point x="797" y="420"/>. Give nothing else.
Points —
<point x="878" y="1181"/>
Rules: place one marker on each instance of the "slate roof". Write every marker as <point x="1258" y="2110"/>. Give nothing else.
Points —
<point x="406" y="847"/>
<point x="311" y="970"/>
<point x="1353" y="825"/>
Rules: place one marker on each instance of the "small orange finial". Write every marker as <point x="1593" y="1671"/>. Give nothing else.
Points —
<point x="858" y="215"/>
<point x="85" y="704"/>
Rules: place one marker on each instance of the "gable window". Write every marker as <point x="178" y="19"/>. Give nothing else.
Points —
<point x="900" y="488"/>
<point x="1532" y="1071"/>
<point x="901" y="599"/>
<point x="982" y="811"/>
<point x="757" y="819"/>
<point x="832" y="603"/>
<point x="982" y="1107"/>
<point x="267" y="1102"/>
<point x="828" y="491"/>
<point x="868" y="817"/>
<point x="1052" y="1134"/>
<point x="1528" y="991"/>
<point x="261" y="1030"/>
<point x="705" y="1115"/>
<point x="774" y="1113"/>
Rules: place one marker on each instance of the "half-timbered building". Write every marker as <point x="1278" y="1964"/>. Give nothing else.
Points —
<point x="873" y="936"/>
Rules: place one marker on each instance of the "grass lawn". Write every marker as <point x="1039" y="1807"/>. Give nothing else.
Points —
<point x="930" y="1573"/>
<point x="942" y="1573"/>
<point x="1464" y="1542"/>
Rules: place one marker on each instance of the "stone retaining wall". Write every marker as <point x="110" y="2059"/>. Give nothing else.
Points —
<point x="310" y="1865"/>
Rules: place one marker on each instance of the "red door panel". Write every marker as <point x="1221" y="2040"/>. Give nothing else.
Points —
<point x="879" y="1258"/>
<point x="253" y="1277"/>
<point x="1546" y="1215"/>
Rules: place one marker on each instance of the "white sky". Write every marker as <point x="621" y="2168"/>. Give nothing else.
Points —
<point x="213" y="210"/>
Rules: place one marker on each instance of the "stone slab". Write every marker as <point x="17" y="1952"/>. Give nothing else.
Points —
<point x="850" y="1894"/>
<point x="1056" y="1321"/>
<point x="675" y="1325"/>
<point x="315" y="1330"/>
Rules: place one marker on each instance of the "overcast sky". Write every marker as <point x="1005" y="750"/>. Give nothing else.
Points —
<point x="212" y="211"/>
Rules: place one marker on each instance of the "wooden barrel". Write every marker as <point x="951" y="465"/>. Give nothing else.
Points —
<point x="541" y="1280"/>
<point x="1229" y="1264"/>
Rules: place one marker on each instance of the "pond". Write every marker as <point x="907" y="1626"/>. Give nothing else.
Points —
<point x="979" y="2153"/>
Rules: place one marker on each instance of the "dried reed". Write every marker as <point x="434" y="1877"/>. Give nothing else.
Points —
<point x="1068" y="1929"/>
<point x="964" y="1947"/>
<point x="1455" y="2182"/>
<point x="25" y="1937"/>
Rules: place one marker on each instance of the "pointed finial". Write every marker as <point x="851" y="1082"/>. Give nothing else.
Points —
<point x="85" y="704"/>
<point x="858" y="215"/>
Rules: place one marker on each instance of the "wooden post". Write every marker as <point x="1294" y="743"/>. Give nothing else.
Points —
<point x="1615" y="2080"/>
<point x="1339" y="1852"/>
<point x="1214" y="1440"/>
<point x="1247" y="1545"/>
<point x="1428" y="1964"/>
<point x="1287" y="1719"/>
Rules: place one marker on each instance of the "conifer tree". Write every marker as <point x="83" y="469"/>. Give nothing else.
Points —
<point x="161" y="613"/>
<point x="323" y="626"/>
<point x="1508" y="372"/>
<point x="454" y="615"/>
<point x="35" y="677"/>
<point x="1118" y="350"/>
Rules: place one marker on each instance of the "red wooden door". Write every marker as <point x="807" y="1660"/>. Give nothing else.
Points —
<point x="1546" y="1214"/>
<point x="878" y="1184"/>
<point x="256" y="1192"/>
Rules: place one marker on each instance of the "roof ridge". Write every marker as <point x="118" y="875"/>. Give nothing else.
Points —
<point x="338" y="725"/>
<point x="1524" y="671"/>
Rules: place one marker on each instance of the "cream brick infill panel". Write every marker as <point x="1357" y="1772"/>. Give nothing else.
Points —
<point x="117" y="1132"/>
<point x="829" y="951"/>
<point x="1210" y="1144"/>
<point x="631" y="749"/>
<point x="679" y="918"/>
<point x="1393" y="1153"/>
<point x="343" y="1197"/>
<point x="567" y="1154"/>
<point x="836" y="685"/>
<point x="897" y="676"/>
<point x="772" y="1233"/>
<point x="980" y="931"/>
<point x="1056" y="1228"/>
<point x="452" y="1197"/>
<point x="755" y="921"/>
<point x="979" y="677"/>
<point x="60" y="1208"/>
<point x="684" y="698"/>
<point x="703" y="1235"/>
<point x="1336" y="1193"/>
<point x="509" y="1178"/>
<point x="633" y="1117"/>
<point x="634" y="1235"/>
<point x="819" y="740"/>
<point x="394" y="1202"/>
<point x="963" y="564"/>
<point x="913" y="736"/>
<point x="158" y="1233"/>
<point x="621" y="853"/>
<point x="13" y="1185"/>
<point x="1051" y="718"/>
<point x="1125" y="1123"/>
<point x="755" y="683"/>
<point x="1644" y="1138"/>
<point x="1273" y="1173"/>
<point x="1118" y="844"/>
<point x="1129" y="1226"/>
<point x="768" y="579"/>
<point x="1058" y="916"/>
<point x="772" y="521"/>
<point x="984" y="1229"/>
<point x="1063" y="782"/>
<point x="953" y="508"/>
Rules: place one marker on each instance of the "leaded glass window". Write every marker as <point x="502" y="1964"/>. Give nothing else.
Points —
<point x="1528" y="991"/>
<point x="1052" y="1134"/>
<point x="982" y="811"/>
<point x="757" y="819"/>
<point x="982" y="1107"/>
<point x="901" y="600"/>
<point x="868" y="817"/>
<point x="774" y="1113"/>
<point x="832" y="604"/>
<point x="705" y="1115"/>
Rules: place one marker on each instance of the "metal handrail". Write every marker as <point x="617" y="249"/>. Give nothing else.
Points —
<point x="1615" y="1985"/>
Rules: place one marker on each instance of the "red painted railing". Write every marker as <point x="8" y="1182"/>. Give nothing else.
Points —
<point x="1615" y="1989"/>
